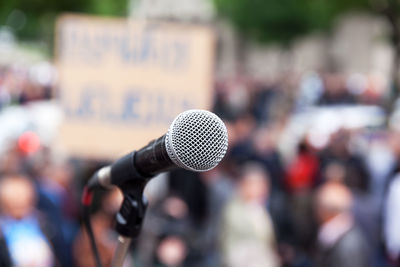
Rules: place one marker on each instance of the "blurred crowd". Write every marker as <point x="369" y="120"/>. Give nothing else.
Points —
<point x="20" y="84"/>
<point x="335" y="203"/>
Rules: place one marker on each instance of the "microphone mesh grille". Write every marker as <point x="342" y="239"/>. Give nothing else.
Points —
<point x="197" y="140"/>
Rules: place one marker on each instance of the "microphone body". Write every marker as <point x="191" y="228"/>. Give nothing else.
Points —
<point x="197" y="140"/>
<point x="153" y="158"/>
<point x="144" y="163"/>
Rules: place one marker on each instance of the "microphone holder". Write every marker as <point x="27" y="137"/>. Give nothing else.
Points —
<point x="130" y="217"/>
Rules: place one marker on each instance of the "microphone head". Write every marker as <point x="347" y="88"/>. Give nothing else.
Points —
<point x="197" y="140"/>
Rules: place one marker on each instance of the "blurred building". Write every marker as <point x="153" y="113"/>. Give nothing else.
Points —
<point x="357" y="44"/>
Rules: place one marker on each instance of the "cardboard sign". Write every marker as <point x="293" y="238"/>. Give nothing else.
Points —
<point x="123" y="82"/>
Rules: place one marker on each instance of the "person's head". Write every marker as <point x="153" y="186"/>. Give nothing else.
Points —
<point x="339" y="143"/>
<point x="171" y="250"/>
<point x="332" y="199"/>
<point x="175" y="207"/>
<point x="335" y="172"/>
<point x="253" y="183"/>
<point x="334" y="83"/>
<point x="243" y="126"/>
<point x="11" y="161"/>
<point x="17" y="196"/>
<point x="59" y="172"/>
<point x="265" y="139"/>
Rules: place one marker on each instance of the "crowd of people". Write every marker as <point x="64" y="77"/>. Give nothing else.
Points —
<point x="20" y="84"/>
<point x="335" y="204"/>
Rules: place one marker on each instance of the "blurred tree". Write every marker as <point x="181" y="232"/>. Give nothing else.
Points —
<point x="284" y="20"/>
<point x="390" y="9"/>
<point x="34" y="19"/>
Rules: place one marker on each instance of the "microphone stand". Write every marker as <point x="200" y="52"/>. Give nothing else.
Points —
<point x="120" y="252"/>
<point x="130" y="217"/>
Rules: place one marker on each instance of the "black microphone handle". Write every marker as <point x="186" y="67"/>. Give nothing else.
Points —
<point x="144" y="163"/>
<point x="139" y="165"/>
<point x="153" y="158"/>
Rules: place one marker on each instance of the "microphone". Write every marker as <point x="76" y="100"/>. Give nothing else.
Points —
<point x="196" y="140"/>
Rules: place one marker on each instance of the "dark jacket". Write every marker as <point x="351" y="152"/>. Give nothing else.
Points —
<point x="5" y="260"/>
<point x="351" y="250"/>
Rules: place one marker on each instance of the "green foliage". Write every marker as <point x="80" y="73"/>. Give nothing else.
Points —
<point x="284" y="20"/>
<point x="34" y="19"/>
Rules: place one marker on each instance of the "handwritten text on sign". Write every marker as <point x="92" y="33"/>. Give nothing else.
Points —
<point x="122" y="82"/>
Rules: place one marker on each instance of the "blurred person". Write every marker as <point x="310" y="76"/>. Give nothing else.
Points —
<point x="192" y="190"/>
<point x="106" y="238"/>
<point x="365" y="209"/>
<point x="247" y="234"/>
<point x="57" y="199"/>
<point x="31" y="91"/>
<point x="171" y="219"/>
<point x="19" y="86"/>
<point x="171" y="251"/>
<point x="5" y="97"/>
<point x="381" y="161"/>
<point x="14" y="80"/>
<point x="264" y="146"/>
<point x="335" y="90"/>
<point x="391" y="208"/>
<point x="192" y="211"/>
<point x="243" y="127"/>
<point x="303" y="170"/>
<point x="391" y="221"/>
<point x="335" y="172"/>
<point x="220" y="186"/>
<point x="301" y="179"/>
<point x="11" y="161"/>
<point x="357" y="176"/>
<point x="340" y="242"/>
<point x="232" y="98"/>
<point x="22" y="225"/>
<point x="194" y="193"/>
<point x="263" y="98"/>
<point x="56" y="183"/>
<point x="343" y="165"/>
<point x="310" y="90"/>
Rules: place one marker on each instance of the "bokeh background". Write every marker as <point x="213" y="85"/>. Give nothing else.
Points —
<point x="309" y="93"/>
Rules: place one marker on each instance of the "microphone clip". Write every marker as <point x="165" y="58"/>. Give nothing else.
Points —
<point x="130" y="217"/>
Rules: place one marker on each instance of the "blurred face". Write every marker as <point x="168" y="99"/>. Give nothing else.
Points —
<point x="334" y="83"/>
<point x="172" y="251"/>
<point x="10" y="162"/>
<point x="60" y="174"/>
<point x="332" y="199"/>
<point x="175" y="207"/>
<point x="243" y="127"/>
<point x="16" y="197"/>
<point x="254" y="188"/>
<point x="263" y="141"/>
